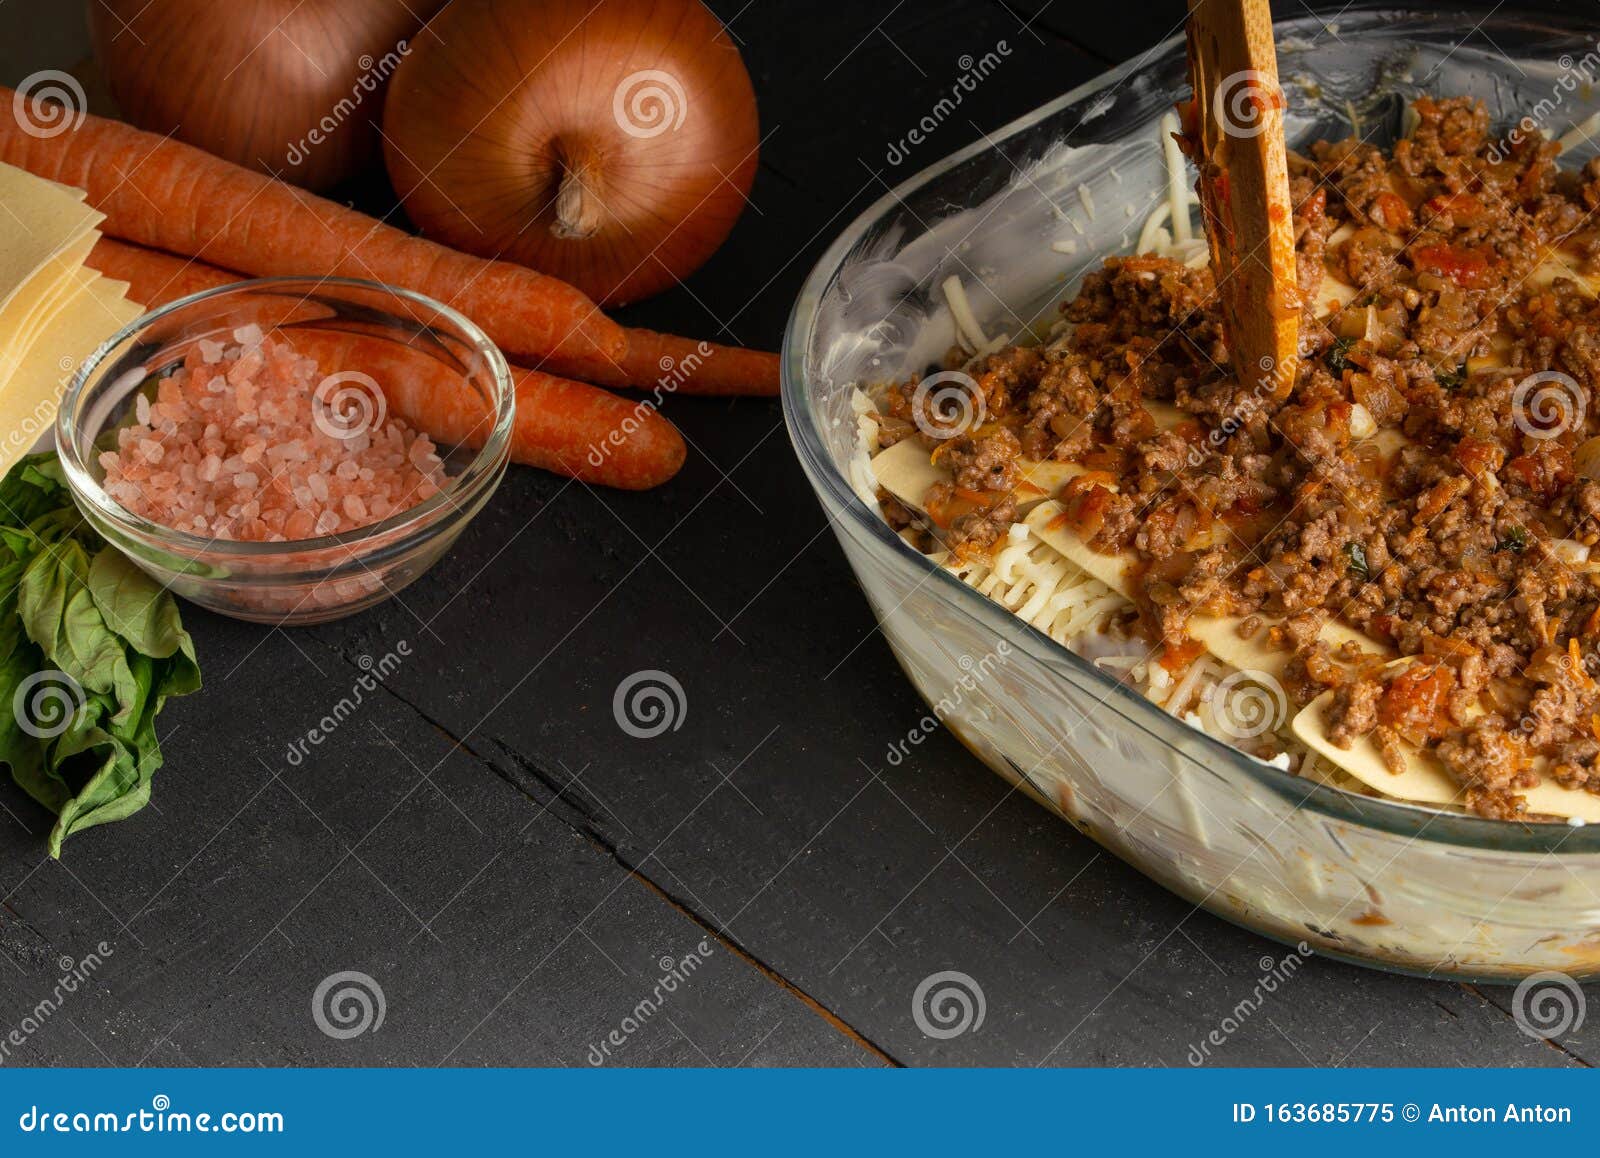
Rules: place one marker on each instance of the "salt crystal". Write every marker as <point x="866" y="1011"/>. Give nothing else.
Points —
<point x="211" y="432"/>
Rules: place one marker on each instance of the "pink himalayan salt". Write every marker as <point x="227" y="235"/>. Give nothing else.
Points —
<point x="232" y="448"/>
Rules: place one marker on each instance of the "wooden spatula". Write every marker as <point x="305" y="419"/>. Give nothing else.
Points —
<point x="1236" y="140"/>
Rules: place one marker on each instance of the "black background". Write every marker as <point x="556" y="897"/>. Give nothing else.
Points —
<point x="484" y="841"/>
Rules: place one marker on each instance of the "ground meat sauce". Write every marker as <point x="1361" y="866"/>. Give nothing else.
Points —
<point x="1465" y="547"/>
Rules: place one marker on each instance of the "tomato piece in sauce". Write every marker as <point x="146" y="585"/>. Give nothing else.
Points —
<point x="1468" y="268"/>
<point x="1415" y="702"/>
<point x="1391" y="211"/>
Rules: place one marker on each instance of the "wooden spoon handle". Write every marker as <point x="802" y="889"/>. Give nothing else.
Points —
<point x="1237" y="142"/>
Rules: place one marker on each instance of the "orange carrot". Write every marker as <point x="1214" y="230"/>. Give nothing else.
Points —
<point x="154" y="278"/>
<point x="567" y="427"/>
<point x="570" y="428"/>
<point x="675" y="365"/>
<point x="163" y="193"/>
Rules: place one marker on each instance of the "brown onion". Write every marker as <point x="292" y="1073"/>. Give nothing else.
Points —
<point x="610" y="144"/>
<point x="285" y="87"/>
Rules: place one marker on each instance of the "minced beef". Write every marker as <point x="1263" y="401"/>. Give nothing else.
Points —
<point x="1464" y="545"/>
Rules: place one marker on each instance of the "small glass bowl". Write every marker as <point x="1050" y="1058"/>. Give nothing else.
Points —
<point x="301" y="581"/>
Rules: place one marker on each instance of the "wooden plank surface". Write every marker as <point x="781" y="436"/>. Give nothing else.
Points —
<point x="484" y="841"/>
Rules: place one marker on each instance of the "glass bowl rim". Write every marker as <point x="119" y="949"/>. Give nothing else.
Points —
<point x="873" y="533"/>
<point x="483" y="466"/>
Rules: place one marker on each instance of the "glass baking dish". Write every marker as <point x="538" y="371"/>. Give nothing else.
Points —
<point x="1020" y="217"/>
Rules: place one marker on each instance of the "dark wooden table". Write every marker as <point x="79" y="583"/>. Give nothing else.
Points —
<point x="511" y="869"/>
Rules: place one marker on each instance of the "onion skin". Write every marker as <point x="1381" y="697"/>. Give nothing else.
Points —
<point x="249" y="80"/>
<point x="523" y="130"/>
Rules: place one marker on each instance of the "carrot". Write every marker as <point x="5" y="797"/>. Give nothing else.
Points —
<point x="153" y="278"/>
<point x="570" y="428"/>
<point x="671" y="364"/>
<point x="163" y="193"/>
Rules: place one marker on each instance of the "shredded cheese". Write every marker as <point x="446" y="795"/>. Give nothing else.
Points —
<point x="1177" y="179"/>
<point x="968" y="330"/>
<point x="1580" y="133"/>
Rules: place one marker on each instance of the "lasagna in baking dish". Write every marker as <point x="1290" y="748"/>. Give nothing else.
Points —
<point x="1377" y="575"/>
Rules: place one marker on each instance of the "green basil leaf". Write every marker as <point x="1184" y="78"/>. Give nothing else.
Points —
<point x="137" y="608"/>
<point x="82" y="630"/>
